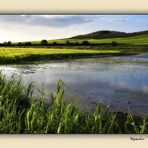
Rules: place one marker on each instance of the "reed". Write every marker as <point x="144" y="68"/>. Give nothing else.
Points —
<point x="23" y="113"/>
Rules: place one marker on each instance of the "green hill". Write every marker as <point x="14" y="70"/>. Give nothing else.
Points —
<point x="102" y="37"/>
<point x="104" y="34"/>
<point x="108" y="37"/>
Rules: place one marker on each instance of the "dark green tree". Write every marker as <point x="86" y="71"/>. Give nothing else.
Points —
<point x="54" y="43"/>
<point x="44" y="42"/>
<point x="19" y="44"/>
<point x="28" y="44"/>
<point x="114" y="43"/>
<point x="9" y="43"/>
<point x="85" y="43"/>
<point x="67" y="43"/>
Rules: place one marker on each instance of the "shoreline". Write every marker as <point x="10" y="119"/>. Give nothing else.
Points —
<point x="33" y="59"/>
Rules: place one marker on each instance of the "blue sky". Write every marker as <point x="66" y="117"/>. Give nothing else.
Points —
<point x="38" y="27"/>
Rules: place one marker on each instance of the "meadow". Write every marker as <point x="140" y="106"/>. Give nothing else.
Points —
<point x="135" y="40"/>
<point x="17" y="55"/>
<point x="23" y="113"/>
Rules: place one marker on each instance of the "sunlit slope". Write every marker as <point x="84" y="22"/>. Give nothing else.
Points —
<point x="138" y="39"/>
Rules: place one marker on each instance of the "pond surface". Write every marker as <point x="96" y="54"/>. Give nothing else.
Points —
<point x="121" y="82"/>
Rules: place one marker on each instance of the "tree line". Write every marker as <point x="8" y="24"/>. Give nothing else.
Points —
<point x="45" y="43"/>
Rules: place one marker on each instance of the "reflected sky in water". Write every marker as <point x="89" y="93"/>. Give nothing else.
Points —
<point x="118" y="81"/>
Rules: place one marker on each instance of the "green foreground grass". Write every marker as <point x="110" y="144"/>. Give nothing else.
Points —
<point x="10" y="55"/>
<point x="21" y="112"/>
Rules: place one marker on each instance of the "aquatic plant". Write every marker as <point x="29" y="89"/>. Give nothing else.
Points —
<point x="23" y="113"/>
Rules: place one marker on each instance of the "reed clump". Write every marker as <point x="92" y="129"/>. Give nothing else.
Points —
<point x="23" y="113"/>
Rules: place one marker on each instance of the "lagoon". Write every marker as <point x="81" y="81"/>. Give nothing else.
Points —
<point x="121" y="82"/>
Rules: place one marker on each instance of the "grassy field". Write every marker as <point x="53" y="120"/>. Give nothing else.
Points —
<point x="136" y="40"/>
<point x="12" y="52"/>
<point x="23" y="113"/>
<point x="17" y="55"/>
<point x="10" y="55"/>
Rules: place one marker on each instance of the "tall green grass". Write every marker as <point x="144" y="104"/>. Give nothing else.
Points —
<point x="22" y="112"/>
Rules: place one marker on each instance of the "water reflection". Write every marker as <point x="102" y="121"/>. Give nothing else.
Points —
<point x="117" y="80"/>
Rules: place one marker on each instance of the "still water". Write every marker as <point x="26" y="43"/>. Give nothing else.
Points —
<point x="121" y="82"/>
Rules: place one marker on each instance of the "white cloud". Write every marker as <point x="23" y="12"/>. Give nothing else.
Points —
<point x="37" y="27"/>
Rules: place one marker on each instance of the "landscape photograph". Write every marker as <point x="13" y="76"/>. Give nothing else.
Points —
<point x="73" y="74"/>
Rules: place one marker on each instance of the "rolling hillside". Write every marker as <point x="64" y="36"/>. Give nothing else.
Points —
<point x="108" y="37"/>
<point x="101" y="37"/>
<point x="137" y="39"/>
<point x="104" y="34"/>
